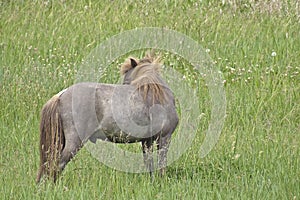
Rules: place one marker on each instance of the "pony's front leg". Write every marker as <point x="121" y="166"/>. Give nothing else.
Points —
<point x="147" y="146"/>
<point x="163" y="146"/>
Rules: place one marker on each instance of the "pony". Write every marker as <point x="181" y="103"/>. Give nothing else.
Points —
<point x="141" y="109"/>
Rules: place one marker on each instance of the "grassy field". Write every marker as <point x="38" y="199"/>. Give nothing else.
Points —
<point x="255" y="44"/>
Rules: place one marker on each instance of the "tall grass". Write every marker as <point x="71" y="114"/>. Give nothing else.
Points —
<point x="254" y="43"/>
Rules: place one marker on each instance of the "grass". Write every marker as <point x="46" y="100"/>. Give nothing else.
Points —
<point x="256" y="46"/>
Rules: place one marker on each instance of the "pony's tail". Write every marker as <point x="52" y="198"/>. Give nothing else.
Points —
<point x="52" y="140"/>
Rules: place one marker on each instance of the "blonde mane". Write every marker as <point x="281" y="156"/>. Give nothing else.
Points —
<point x="146" y="77"/>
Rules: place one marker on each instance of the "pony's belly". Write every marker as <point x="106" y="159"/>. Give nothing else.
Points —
<point x="116" y="137"/>
<point x="122" y="138"/>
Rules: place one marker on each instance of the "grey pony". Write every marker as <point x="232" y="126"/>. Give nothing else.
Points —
<point x="142" y="109"/>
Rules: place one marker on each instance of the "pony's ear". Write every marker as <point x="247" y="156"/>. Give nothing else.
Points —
<point x="129" y="63"/>
<point x="133" y="62"/>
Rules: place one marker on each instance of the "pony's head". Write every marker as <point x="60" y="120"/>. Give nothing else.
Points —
<point x="144" y="75"/>
<point x="127" y="69"/>
<point x="133" y="68"/>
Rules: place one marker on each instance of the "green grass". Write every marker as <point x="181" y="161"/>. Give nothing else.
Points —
<point x="42" y="44"/>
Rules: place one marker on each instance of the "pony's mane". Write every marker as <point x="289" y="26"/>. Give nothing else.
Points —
<point x="146" y="76"/>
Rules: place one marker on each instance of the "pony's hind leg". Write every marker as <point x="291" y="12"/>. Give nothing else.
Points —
<point x="72" y="146"/>
<point x="147" y="146"/>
